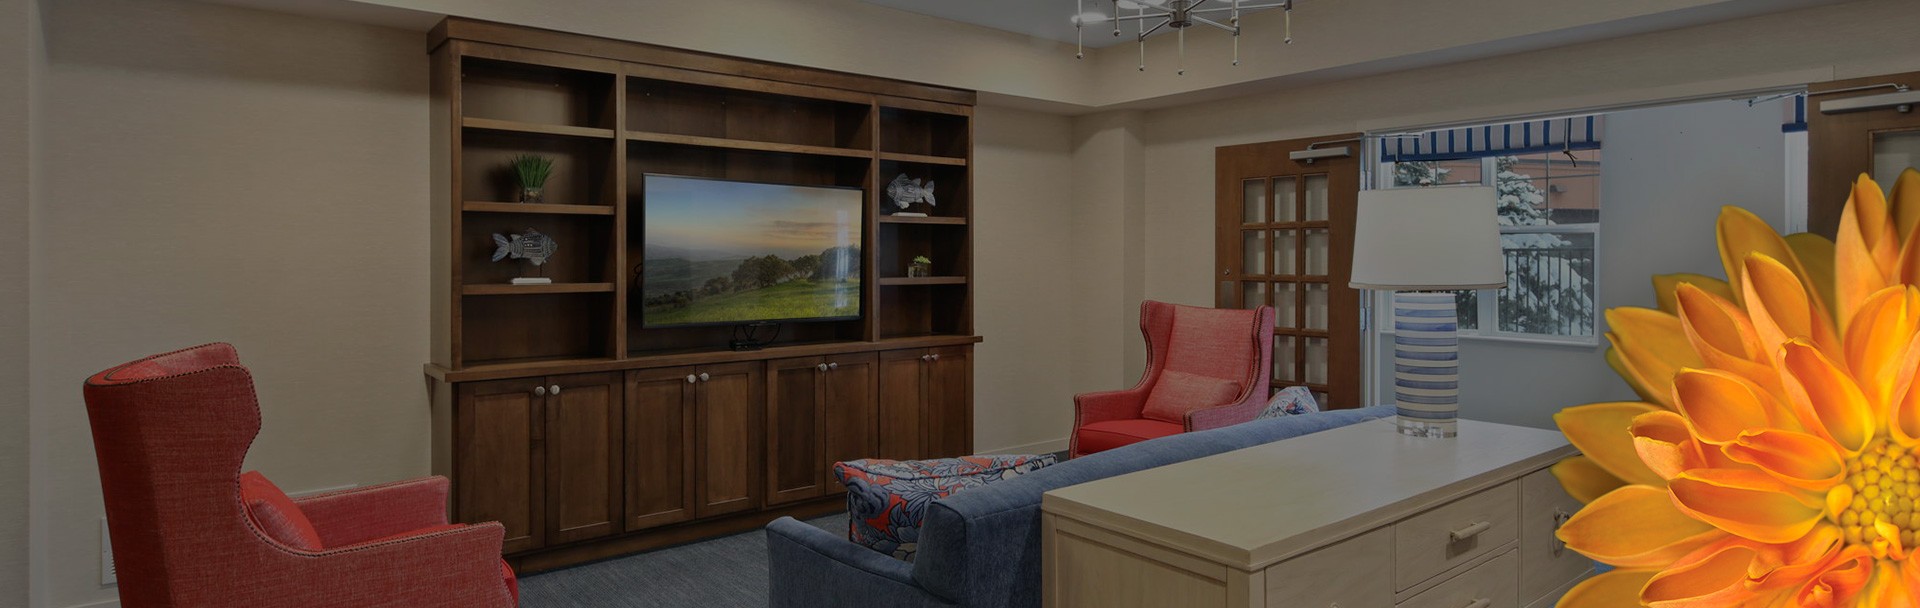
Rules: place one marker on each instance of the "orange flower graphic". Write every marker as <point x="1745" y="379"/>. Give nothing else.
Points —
<point x="1773" y="459"/>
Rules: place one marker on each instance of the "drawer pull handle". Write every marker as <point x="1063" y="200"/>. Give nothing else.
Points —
<point x="1469" y="532"/>
<point x="1479" y="603"/>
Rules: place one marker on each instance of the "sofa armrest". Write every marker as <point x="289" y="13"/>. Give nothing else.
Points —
<point x="1089" y="408"/>
<point x="374" y="512"/>
<point x="1223" y="415"/>
<point x="808" y="567"/>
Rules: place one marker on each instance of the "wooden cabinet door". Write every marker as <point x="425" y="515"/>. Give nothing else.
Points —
<point x="498" y="459"/>
<point x="796" y="430"/>
<point x="659" y="449"/>
<point x="949" y="409"/>
<point x="583" y="416"/>
<point x="730" y="401"/>
<point x="903" y="399"/>
<point x="852" y="412"/>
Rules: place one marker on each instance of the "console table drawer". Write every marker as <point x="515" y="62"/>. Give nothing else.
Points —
<point x="1490" y="585"/>
<point x="1430" y="543"/>
<point x="1348" y="575"/>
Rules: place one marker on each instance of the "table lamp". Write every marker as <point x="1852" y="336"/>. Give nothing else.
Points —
<point x="1423" y="243"/>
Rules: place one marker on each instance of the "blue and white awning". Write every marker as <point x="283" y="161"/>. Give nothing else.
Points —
<point x="1529" y="137"/>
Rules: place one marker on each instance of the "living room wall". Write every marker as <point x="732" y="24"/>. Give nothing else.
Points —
<point x="19" y="51"/>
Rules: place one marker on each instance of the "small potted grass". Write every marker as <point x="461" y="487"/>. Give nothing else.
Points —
<point x="533" y="172"/>
<point x="921" y="267"/>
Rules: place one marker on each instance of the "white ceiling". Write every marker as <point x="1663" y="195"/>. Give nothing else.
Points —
<point x="1049" y="19"/>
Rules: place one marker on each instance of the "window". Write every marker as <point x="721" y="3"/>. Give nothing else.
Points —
<point x="1549" y="210"/>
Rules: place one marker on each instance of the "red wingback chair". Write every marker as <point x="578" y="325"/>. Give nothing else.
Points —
<point x="1206" y="368"/>
<point x="190" y="530"/>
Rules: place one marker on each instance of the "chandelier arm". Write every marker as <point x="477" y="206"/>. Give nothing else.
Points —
<point x="1243" y="8"/>
<point x="1156" y="27"/>
<point x="1134" y="17"/>
<point x="1211" y="22"/>
<point x="1153" y="5"/>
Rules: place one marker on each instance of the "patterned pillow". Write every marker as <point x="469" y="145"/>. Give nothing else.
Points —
<point x="887" y="499"/>
<point x="1177" y="393"/>
<point x="1290" y="401"/>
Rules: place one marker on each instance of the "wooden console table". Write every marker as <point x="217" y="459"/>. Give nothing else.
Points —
<point x="1355" y="517"/>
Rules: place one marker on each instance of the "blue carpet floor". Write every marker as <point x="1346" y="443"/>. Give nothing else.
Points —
<point x="721" y="572"/>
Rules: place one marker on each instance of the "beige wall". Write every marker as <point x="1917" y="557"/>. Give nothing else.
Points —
<point x="223" y="174"/>
<point x="18" y="52"/>
<point x="1023" y="215"/>
<point x="1108" y="233"/>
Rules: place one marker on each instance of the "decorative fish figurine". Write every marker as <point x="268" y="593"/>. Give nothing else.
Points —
<point x="531" y="246"/>
<point x="906" y="191"/>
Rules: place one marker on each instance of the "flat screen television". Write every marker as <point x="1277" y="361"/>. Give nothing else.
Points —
<point x="720" y="252"/>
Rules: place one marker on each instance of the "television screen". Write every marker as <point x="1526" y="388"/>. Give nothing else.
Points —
<point x="725" y="252"/>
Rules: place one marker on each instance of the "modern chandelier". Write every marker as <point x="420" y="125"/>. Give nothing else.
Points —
<point x="1178" y="15"/>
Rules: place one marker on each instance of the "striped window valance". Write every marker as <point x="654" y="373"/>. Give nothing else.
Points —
<point x="1528" y="137"/>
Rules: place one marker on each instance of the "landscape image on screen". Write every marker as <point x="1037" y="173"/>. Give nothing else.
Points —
<point x="724" y="252"/>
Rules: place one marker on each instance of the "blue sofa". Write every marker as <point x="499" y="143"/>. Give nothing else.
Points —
<point x="981" y="547"/>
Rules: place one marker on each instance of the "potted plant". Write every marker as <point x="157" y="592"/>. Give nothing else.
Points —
<point x="922" y="267"/>
<point x="533" y="172"/>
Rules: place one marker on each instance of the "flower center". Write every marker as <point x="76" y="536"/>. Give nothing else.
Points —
<point x="1886" y="484"/>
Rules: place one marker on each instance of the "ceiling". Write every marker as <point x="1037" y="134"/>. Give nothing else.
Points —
<point x="1049" y="19"/>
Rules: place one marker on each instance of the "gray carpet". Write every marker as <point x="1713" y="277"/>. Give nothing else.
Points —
<point x="721" y="572"/>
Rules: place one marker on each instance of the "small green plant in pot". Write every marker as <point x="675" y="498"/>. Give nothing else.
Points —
<point x="533" y="172"/>
<point x="922" y="267"/>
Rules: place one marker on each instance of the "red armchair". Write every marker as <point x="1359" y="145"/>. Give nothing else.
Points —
<point x="1206" y="368"/>
<point x="190" y="530"/>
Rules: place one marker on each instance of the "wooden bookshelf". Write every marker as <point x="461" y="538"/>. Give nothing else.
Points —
<point x="558" y="411"/>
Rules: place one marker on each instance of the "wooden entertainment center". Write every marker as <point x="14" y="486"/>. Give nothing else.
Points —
<point x="585" y="433"/>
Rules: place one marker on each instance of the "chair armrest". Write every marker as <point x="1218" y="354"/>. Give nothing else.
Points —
<point x="359" y="515"/>
<point x="1223" y="415"/>
<point x="808" y="567"/>
<point x="1089" y="408"/>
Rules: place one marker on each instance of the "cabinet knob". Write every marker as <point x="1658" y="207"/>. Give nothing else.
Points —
<point x="821" y="367"/>
<point x="539" y="391"/>
<point x="691" y="379"/>
<point x="933" y="357"/>
<point x="704" y="377"/>
<point x="833" y="366"/>
<point x="926" y="357"/>
<point x="555" y="389"/>
<point x="1479" y="603"/>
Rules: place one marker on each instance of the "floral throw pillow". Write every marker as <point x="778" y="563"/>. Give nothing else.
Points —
<point x="1290" y="401"/>
<point x="887" y="499"/>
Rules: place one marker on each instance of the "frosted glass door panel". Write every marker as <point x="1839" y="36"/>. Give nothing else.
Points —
<point x="1894" y="152"/>
<point x="1253" y="202"/>
<point x="1316" y="198"/>
<point x="1285" y="305"/>
<point x="1316" y="361"/>
<point x="1253" y="246"/>
<point x="1253" y="295"/>
<point x="1286" y="251"/>
<point x="1284" y="360"/>
<point x="1285" y="205"/>
<point x="1317" y="244"/>
<point x="1316" y="306"/>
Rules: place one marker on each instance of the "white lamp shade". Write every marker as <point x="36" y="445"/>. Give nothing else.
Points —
<point x="1437" y="238"/>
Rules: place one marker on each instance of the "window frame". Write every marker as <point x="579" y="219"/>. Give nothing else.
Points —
<point x="1487" y="321"/>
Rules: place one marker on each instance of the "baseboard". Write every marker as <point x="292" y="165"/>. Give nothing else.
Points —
<point x="1041" y="447"/>
<point x="114" y="603"/>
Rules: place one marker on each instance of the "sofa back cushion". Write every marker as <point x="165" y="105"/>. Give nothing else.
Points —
<point x="981" y="547"/>
<point x="1177" y="393"/>
<point x="887" y="499"/>
<point x="275" y="513"/>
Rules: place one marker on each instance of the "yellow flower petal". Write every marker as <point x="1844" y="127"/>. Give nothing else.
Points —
<point x="1601" y="431"/>
<point x="1654" y="347"/>
<point x="1611" y="589"/>
<point x="1815" y="253"/>
<point x="1749" y="504"/>
<point x="1906" y="203"/>
<point x="1887" y="589"/>
<point x="1782" y="309"/>
<point x="1717" y="579"/>
<point x="1799" y="459"/>
<point x="1904" y="419"/>
<point x="1627" y="374"/>
<point x="1584" y="480"/>
<point x="1665" y="444"/>
<point x="1740" y="233"/>
<point x="1876" y="343"/>
<point x="1839" y="583"/>
<point x="1665" y="284"/>
<point x="1720" y="333"/>
<point x="1826" y="399"/>
<point x="1721" y="405"/>
<point x="1636" y="527"/>
<point x="1789" y="566"/>
<point x="1864" y="253"/>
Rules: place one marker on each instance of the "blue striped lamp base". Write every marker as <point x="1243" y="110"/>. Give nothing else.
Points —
<point x="1426" y="363"/>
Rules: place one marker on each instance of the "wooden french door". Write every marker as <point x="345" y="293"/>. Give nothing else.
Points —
<point x="1842" y="145"/>
<point x="1284" y="238"/>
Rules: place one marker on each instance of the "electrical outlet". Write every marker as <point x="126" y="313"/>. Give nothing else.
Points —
<point x="108" y="577"/>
